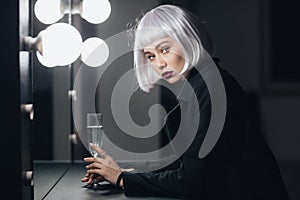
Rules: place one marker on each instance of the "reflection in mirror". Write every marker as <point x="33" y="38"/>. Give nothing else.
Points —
<point x="55" y="139"/>
<point x="52" y="120"/>
<point x="52" y="106"/>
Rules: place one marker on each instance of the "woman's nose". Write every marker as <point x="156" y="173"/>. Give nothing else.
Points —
<point x="161" y="63"/>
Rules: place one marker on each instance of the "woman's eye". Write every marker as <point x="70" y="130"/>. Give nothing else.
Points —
<point x="165" y="50"/>
<point x="150" y="57"/>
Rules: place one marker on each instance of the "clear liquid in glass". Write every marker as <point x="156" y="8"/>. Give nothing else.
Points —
<point x="94" y="136"/>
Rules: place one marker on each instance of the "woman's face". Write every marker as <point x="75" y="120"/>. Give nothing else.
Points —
<point x="166" y="58"/>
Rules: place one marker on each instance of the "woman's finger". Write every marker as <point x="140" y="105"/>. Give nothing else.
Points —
<point x="99" y="150"/>
<point x="95" y="171"/>
<point x="90" y="179"/>
<point x="92" y="160"/>
<point x="95" y="168"/>
<point x="100" y="178"/>
<point x="94" y="165"/>
<point x="89" y="159"/>
<point x="86" y="177"/>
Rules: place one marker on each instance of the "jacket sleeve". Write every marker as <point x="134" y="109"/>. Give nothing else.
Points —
<point x="186" y="180"/>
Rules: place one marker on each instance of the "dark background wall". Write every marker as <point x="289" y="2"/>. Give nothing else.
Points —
<point x="256" y="41"/>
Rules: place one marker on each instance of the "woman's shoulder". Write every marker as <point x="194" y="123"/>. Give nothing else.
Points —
<point x="231" y="84"/>
<point x="216" y="78"/>
<point x="199" y="79"/>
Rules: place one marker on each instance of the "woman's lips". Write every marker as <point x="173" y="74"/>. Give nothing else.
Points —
<point x="167" y="74"/>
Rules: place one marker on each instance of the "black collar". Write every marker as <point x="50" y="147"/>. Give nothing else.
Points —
<point x="194" y="79"/>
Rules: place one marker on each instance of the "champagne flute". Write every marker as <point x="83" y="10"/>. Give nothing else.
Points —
<point x="94" y="136"/>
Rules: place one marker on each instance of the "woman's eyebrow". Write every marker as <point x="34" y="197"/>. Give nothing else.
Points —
<point x="160" y="44"/>
<point x="156" y="47"/>
<point x="147" y="52"/>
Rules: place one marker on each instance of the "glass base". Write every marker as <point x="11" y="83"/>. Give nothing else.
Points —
<point x="95" y="186"/>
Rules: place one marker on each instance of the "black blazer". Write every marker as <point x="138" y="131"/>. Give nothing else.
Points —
<point x="239" y="167"/>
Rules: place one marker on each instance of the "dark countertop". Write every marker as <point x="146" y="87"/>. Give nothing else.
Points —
<point x="61" y="181"/>
<point x="46" y="175"/>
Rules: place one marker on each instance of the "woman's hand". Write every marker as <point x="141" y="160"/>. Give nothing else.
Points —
<point x="89" y="178"/>
<point x="106" y="167"/>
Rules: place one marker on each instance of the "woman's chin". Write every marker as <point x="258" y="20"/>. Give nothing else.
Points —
<point x="174" y="79"/>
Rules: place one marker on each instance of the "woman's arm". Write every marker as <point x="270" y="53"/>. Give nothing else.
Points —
<point x="187" y="178"/>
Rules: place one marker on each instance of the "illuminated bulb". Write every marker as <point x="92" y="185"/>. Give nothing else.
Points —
<point x="61" y="45"/>
<point x="44" y="61"/>
<point x="48" y="11"/>
<point x="95" y="11"/>
<point x="95" y="52"/>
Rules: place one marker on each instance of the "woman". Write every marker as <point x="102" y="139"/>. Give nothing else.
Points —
<point x="172" y="49"/>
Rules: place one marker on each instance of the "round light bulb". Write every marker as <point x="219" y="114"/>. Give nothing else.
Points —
<point x="61" y="44"/>
<point x="43" y="60"/>
<point x="95" y="11"/>
<point x="95" y="52"/>
<point x="48" y="11"/>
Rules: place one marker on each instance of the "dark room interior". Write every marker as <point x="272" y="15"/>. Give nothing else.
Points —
<point x="42" y="147"/>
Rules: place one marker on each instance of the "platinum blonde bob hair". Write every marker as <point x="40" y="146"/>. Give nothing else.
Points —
<point x="160" y="22"/>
